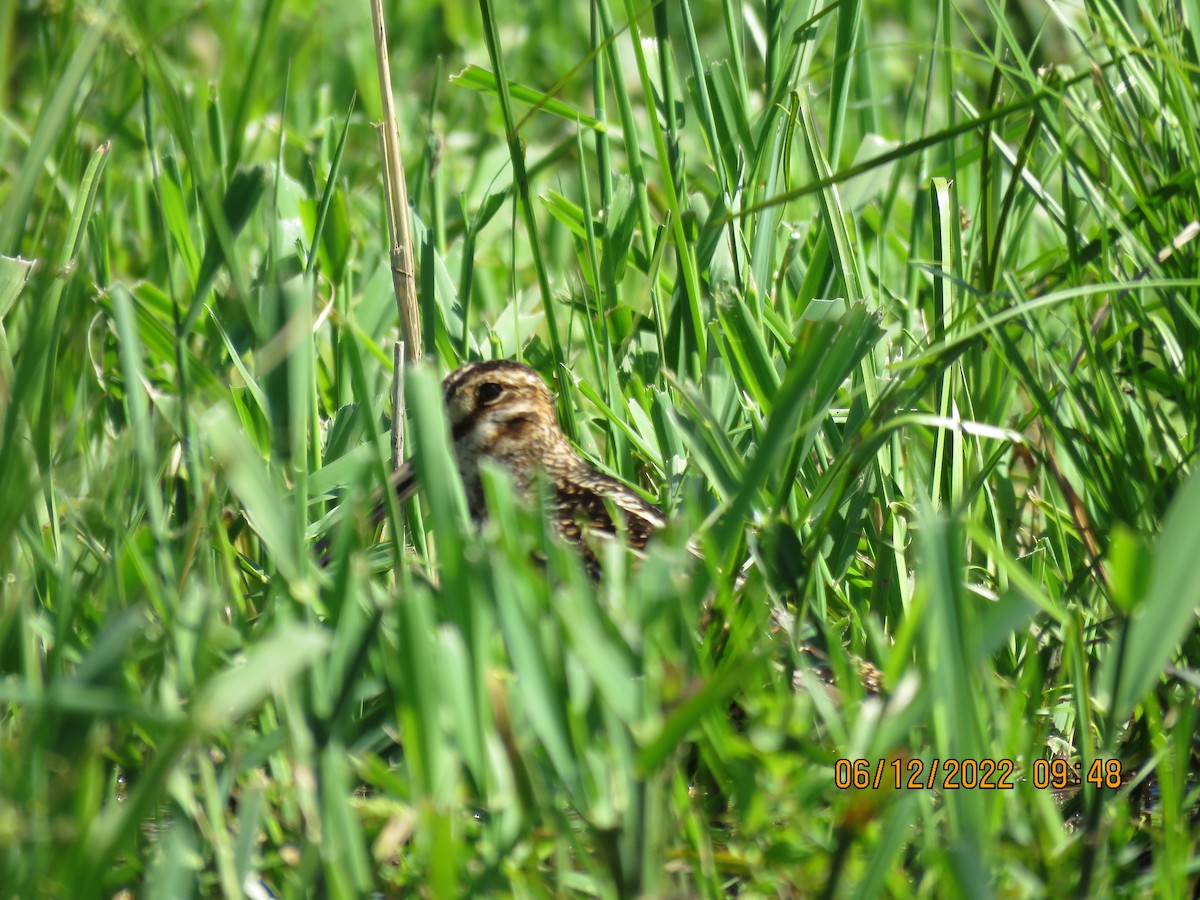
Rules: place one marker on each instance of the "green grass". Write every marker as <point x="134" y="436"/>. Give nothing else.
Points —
<point x="897" y="300"/>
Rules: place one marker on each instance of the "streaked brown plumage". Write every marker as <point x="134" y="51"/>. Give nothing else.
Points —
<point x="501" y="411"/>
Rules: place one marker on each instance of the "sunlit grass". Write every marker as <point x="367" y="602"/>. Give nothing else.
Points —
<point x="897" y="304"/>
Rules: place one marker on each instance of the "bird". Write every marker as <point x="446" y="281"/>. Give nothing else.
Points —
<point x="501" y="411"/>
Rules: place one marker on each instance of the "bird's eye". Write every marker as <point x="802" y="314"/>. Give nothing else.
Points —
<point x="489" y="392"/>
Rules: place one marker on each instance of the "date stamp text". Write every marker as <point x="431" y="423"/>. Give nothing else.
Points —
<point x="983" y="774"/>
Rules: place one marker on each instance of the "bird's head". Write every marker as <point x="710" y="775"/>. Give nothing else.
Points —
<point x="501" y="411"/>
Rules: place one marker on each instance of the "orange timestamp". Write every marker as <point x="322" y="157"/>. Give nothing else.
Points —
<point x="1058" y="773"/>
<point x="969" y="774"/>
<point x="917" y="774"/>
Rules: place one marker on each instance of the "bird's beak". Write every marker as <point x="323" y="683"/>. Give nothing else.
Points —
<point x="404" y="483"/>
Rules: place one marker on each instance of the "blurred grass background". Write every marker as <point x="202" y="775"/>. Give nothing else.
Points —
<point x="897" y="300"/>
